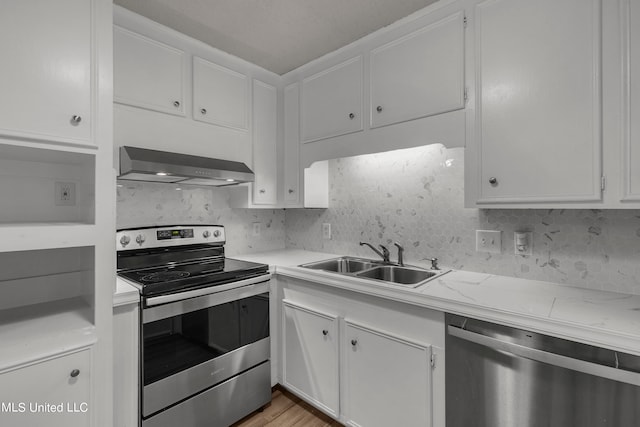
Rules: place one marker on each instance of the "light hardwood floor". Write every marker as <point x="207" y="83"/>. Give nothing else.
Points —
<point x="287" y="410"/>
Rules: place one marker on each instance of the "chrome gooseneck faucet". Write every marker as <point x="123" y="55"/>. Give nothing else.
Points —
<point x="384" y="254"/>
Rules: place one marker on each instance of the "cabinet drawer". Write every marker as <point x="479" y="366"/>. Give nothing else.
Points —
<point x="52" y="392"/>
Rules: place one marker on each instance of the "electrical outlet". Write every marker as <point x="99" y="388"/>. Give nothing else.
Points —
<point x="256" y="229"/>
<point x="523" y="243"/>
<point x="326" y="231"/>
<point x="65" y="194"/>
<point x="489" y="241"/>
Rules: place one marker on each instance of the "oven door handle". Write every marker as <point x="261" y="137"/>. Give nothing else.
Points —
<point x="186" y="302"/>
<point x="164" y="299"/>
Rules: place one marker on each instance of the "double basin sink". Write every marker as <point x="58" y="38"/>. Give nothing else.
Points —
<point x="377" y="270"/>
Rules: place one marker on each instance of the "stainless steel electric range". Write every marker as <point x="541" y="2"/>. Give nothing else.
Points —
<point x="204" y="327"/>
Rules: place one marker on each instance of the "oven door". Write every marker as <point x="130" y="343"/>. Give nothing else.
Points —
<point x="191" y="345"/>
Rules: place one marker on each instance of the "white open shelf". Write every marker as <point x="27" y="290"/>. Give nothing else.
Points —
<point x="38" y="331"/>
<point x="31" y="236"/>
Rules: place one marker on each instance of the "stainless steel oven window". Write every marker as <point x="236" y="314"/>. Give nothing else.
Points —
<point x="177" y="343"/>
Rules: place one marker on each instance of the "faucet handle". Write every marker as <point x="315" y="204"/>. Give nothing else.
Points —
<point x="434" y="264"/>
<point x="385" y="252"/>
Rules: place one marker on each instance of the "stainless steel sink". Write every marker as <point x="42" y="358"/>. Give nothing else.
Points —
<point x="342" y="265"/>
<point x="397" y="274"/>
<point x="377" y="270"/>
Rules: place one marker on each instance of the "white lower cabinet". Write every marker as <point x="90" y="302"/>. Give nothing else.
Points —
<point x="364" y="360"/>
<point x="310" y="357"/>
<point x="53" y="392"/>
<point x="387" y="379"/>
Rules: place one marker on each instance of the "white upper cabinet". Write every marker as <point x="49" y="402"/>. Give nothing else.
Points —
<point x="147" y="73"/>
<point x="291" y="145"/>
<point x="46" y="82"/>
<point x="332" y="101"/>
<point x="420" y="74"/>
<point x="265" y="126"/>
<point x="631" y="153"/>
<point x="220" y="95"/>
<point x="538" y="122"/>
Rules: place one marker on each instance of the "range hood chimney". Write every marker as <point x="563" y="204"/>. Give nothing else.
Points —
<point x="141" y="164"/>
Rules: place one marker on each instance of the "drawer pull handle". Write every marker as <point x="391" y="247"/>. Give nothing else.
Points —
<point x="354" y="342"/>
<point x="75" y="373"/>
<point x="325" y="332"/>
<point x="176" y="104"/>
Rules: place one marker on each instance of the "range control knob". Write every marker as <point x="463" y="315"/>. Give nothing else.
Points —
<point x="216" y="233"/>
<point x="125" y="240"/>
<point x="206" y="234"/>
<point x="140" y="239"/>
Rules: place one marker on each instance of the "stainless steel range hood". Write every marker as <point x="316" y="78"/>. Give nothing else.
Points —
<point x="141" y="164"/>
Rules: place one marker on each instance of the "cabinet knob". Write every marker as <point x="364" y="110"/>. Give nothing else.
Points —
<point x="493" y="180"/>
<point x="379" y="108"/>
<point x="354" y="342"/>
<point x="76" y="119"/>
<point x="325" y="332"/>
<point x="75" y="373"/>
<point x="176" y="104"/>
<point x="352" y="116"/>
<point x="203" y="111"/>
<point x="291" y="191"/>
<point x="262" y="191"/>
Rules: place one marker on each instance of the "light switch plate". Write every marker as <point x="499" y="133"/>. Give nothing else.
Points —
<point x="256" y="229"/>
<point x="489" y="241"/>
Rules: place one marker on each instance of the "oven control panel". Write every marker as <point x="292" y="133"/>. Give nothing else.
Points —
<point x="153" y="237"/>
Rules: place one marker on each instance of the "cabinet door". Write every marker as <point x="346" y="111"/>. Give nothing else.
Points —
<point x="310" y="355"/>
<point x="220" y="95"/>
<point x="420" y="74"/>
<point x="538" y="121"/>
<point x="631" y="154"/>
<point x="292" y="144"/>
<point x="332" y="101"/>
<point x="387" y="380"/>
<point x="265" y="167"/>
<point x="64" y="381"/>
<point x="46" y="79"/>
<point x="147" y="73"/>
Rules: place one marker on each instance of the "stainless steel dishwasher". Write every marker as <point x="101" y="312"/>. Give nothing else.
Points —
<point x="498" y="376"/>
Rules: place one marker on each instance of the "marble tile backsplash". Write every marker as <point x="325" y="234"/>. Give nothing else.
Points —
<point x="144" y="204"/>
<point x="416" y="197"/>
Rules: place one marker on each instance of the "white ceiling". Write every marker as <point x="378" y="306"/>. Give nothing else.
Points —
<point x="279" y="35"/>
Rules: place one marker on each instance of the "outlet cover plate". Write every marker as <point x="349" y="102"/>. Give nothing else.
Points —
<point x="326" y="231"/>
<point x="256" y="229"/>
<point x="65" y="194"/>
<point x="489" y="241"/>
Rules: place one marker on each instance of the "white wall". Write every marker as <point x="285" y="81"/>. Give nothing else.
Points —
<point x="416" y="197"/>
<point x="145" y="204"/>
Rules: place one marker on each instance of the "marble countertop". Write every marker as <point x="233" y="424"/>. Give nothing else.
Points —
<point x="605" y="319"/>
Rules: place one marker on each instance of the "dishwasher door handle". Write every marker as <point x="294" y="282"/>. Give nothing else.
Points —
<point x="591" y="368"/>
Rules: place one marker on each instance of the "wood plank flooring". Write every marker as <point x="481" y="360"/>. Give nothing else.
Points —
<point x="287" y="410"/>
